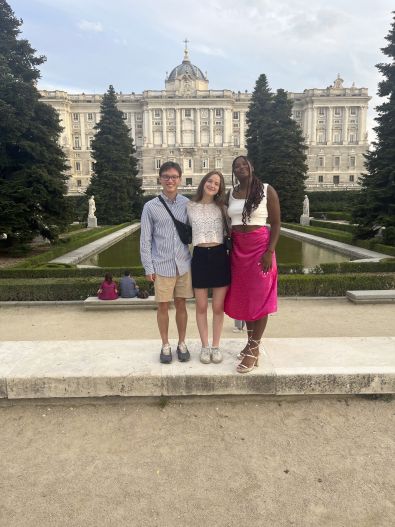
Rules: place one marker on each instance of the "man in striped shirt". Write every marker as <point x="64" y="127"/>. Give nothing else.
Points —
<point x="166" y="260"/>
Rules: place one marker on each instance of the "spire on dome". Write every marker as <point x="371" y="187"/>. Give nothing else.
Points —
<point x="186" y="52"/>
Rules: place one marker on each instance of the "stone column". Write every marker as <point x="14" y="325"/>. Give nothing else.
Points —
<point x="83" y="142"/>
<point x="329" y="126"/>
<point x="242" y="130"/>
<point x="362" y="124"/>
<point x="345" y="126"/>
<point x="211" y="123"/>
<point x="133" y="126"/>
<point x="197" y="127"/>
<point x="145" y="127"/>
<point x="164" y="127"/>
<point x="178" y="127"/>
<point x="227" y="127"/>
<point x="150" y="134"/>
<point x="313" y="129"/>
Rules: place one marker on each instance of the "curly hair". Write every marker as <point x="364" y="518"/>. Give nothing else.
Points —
<point x="255" y="191"/>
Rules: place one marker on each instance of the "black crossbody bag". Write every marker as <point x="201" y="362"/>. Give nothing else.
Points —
<point x="183" y="229"/>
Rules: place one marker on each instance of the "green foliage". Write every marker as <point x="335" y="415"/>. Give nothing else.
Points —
<point x="65" y="245"/>
<point x="61" y="271"/>
<point x="332" y="285"/>
<point x="376" y="206"/>
<point x="32" y="164"/>
<point x="334" y="226"/>
<point x="46" y="289"/>
<point x="387" y="266"/>
<point x="333" y="215"/>
<point x="332" y="200"/>
<point x="60" y="289"/>
<point x="275" y="145"/>
<point x="78" y="208"/>
<point x="114" y="184"/>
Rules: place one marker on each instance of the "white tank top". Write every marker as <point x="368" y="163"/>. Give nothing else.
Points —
<point x="258" y="216"/>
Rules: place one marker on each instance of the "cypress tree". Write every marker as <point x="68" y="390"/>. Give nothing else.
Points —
<point x="375" y="207"/>
<point x="275" y="145"/>
<point x="32" y="164"/>
<point x="114" y="184"/>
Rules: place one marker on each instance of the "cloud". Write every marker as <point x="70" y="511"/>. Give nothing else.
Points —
<point x="208" y="50"/>
<point x="95" y="27"/>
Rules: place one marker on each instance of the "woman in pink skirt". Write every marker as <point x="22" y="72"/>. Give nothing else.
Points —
<point x="252" y="295"/>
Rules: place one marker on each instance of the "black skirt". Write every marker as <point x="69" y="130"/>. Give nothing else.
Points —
<point x="210" y="267"/>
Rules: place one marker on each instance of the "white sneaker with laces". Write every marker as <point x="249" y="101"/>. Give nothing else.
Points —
<point x="205" y="355"/>
<point x="216" y="355"/>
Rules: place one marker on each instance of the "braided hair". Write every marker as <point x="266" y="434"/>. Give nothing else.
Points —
<point x="255" y="191"/>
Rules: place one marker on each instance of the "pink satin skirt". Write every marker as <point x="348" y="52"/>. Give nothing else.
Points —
<point x="252" y="293"/>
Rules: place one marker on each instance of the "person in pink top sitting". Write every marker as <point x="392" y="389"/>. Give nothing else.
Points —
<point x="108" y="289"/>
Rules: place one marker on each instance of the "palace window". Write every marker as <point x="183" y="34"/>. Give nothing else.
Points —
<point x="297" y="114"/>
<point x="351" y="178"/>
<point x="156" y="113"/>
<point x="90" y="116"/>
<point x="78" y="166"/>
<point x="218" y="123"/>
<point x="236" y="141"/>
<point x="320" y="179"/>
<point x="76" y="116"/>
<point x="320" y="138"/>
<point x="157" y="123"/>
<point x="218" y="162"/>
<point x="77" y="144"/>
<point x="336" y="138"/>
<point x="79" y="183"/>
<point x="352" y="138"/>
<point x="218" y="112"/>
<point x="187" y="113"/>
<point x="157" y="164"/>
<point x="189" y="163"/>
<point x="352" y="162"/>
<point x="321" y="161"/>
<point x="353" y="110"/>
<point x="338" y="111"/>
<point x="139" y="117"/>
<point x="90" y="139"/>
<point x="124" y="116"/>
<point x="336" y="180"/>
<point x="236" y="116"/>
<point x="205" y="163"/>
<point x="336" y="162"/>
<point x="188" y="181"/>
<point x="321" y="111"/>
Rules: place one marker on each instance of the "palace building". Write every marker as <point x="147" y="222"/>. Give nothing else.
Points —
<point x="203" y="129"/>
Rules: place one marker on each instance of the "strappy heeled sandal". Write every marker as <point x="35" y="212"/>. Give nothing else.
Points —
<point x="242" y="368"/>
<point x="240" y="356"/>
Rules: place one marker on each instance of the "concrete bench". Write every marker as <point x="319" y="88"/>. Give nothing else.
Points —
<point x="92" y="302"/>
<point x="378" y="296"/>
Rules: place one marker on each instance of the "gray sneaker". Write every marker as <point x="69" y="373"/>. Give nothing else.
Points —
<point x="205" y="355"/>
<point x="216" y="355"/>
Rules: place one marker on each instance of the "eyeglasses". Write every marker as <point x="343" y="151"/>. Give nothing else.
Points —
<point x="168" y="178"/>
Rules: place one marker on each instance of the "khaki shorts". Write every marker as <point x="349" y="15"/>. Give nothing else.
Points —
<point x="169" y="287"/>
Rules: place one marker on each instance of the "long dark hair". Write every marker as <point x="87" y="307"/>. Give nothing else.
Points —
<point x="255" y="191"/>
<point x="219" y="198"/>
<point x="108" y="278"/>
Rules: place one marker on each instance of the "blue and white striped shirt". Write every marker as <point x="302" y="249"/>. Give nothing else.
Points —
<point x="161" y="250"/>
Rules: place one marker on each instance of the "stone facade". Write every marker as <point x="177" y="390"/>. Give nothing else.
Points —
<point x="203" y="129"/>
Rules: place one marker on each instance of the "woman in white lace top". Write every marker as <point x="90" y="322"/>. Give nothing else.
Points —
<point x="210" y="260"/>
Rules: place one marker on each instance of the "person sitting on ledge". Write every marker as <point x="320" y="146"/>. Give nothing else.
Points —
<point x="108" y="289"/>
<point x="128" y="287"/>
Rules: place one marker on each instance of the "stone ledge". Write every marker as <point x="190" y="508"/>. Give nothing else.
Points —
<point x="374" y="296"/>
<point x="312" y="366"/>
<point x="94" y="303"/>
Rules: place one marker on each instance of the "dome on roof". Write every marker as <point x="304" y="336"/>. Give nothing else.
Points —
<point x="186" y="68"/>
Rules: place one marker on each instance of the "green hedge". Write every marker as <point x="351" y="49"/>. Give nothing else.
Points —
<point x="344" y="237"/>
<point x="387" y="266"/>
<point x="69" y="243"/>
<point x="333" y="226"/>
<point x="288" y="285"/>
<point x="334" y="215"/>
<point x="55" y="288"/>
<point x="335" y="200"/>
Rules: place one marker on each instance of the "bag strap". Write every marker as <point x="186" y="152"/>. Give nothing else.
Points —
<point x="167" y="208"/>
<point x="225" y="220"/>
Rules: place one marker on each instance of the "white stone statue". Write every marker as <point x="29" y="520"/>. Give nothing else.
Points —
<point x="92" y="207"/>
<point x="306" y="206"/>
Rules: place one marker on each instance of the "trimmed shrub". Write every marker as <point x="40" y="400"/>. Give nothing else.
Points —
<point x="354" y="267"/>
<point x="333" y="215"/>
<point x="74" y="272"/>
<point x="334" y="226"/>
<point x="289" y="285"/>
<point x="332" y="285"/>
<point x="335" y="200"/>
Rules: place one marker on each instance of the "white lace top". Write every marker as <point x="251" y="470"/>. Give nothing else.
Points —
<point x="206" y="222"/>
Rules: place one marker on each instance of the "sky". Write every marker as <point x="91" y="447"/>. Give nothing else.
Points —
<point x="131" y="44"/>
